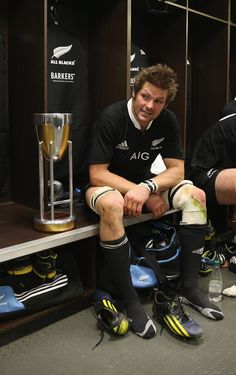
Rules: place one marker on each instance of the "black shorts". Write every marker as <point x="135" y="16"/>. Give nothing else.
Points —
<point x="205" y="180"/>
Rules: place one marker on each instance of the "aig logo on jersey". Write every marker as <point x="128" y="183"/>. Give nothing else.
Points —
<point x="136" y="155"/>
<point x="156" y="144"/>
<point x="140" y="155"/>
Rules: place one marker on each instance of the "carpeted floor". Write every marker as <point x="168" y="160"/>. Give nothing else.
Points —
<point x="65" y="347"/>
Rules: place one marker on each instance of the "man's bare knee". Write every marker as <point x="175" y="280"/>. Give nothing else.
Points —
<point x="199" y="195"/>
<point x="111" y="205"/>
<point x="192" y="201"/>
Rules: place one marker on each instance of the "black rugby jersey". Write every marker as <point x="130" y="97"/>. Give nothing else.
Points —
<point x="229" y="108"/>
<point x="216" y="147"/>
<point x="129" y="151"/>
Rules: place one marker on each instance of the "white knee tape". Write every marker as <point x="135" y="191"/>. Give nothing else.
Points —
<point x="98" y="193"/>
<point x="193" y="211"/>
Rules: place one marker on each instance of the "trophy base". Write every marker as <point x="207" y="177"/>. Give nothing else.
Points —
<point x="61" y="223"/>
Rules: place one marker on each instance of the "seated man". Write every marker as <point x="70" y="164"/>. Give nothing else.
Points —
<point x="213" y="163"/>
<point x="127" y="138"/>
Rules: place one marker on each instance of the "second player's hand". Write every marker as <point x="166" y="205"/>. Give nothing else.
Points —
<point x="156" y="205"/>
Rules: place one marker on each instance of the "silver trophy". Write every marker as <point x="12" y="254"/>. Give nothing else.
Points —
<point x="54" y="133"/>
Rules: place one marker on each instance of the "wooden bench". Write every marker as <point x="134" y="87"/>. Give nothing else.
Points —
<point x="19" y="238"/>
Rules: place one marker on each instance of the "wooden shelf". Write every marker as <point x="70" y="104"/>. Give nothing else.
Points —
<point x="18" y="237"/>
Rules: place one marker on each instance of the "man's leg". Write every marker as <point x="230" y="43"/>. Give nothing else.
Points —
<point x="115" y="248"/>
<point x="225" y="188"/>
<point x="191" y="201"/>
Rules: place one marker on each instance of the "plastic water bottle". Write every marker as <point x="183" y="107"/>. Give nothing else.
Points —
<point x="215" y="283"/>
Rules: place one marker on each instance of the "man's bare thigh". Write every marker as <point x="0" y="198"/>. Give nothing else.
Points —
<point x="225" y="186"/>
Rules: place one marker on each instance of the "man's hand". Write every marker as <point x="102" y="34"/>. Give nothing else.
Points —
<point x="134" y="200"/>
<point x="156" y="205"/>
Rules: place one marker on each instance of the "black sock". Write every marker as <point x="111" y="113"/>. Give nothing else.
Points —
<point x="192" y="239"/>
<point x="200" y="300"/>
<point x="140" y="323"/>
<point x="117" y="265"/>
<point x="116" y="269"/>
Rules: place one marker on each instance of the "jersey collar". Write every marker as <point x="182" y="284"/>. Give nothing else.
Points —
<point x="224" y="118"/>
<point x="133" y="119"/>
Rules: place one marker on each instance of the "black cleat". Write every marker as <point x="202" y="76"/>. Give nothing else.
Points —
<point x="18" y="266"/>
<point x="44" y="264"/>
<point x="169" y="312"/>
<point x="110" y="317"/>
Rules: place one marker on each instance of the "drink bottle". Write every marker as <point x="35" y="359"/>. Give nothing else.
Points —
<point x="215" y="283"/>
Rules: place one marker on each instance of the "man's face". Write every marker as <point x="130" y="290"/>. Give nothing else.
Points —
<point x="148" y="103"/>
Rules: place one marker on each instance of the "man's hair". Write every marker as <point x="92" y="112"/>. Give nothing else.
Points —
<point x="159" y="75"/>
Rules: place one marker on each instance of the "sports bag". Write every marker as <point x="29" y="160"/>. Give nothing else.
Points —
<point x="25" y="294"/>
<point x="155" y="253"/>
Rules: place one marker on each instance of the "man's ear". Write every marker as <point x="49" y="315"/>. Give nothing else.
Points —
<point x="133" y="94"/>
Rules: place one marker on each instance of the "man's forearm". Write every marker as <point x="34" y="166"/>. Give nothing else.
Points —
<point x="168" y="178"/>
<point x="111" y="179"/>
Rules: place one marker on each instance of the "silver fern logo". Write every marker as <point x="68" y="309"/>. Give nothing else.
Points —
<point x="156" y="143"/>
<point x="60" y="51"/>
